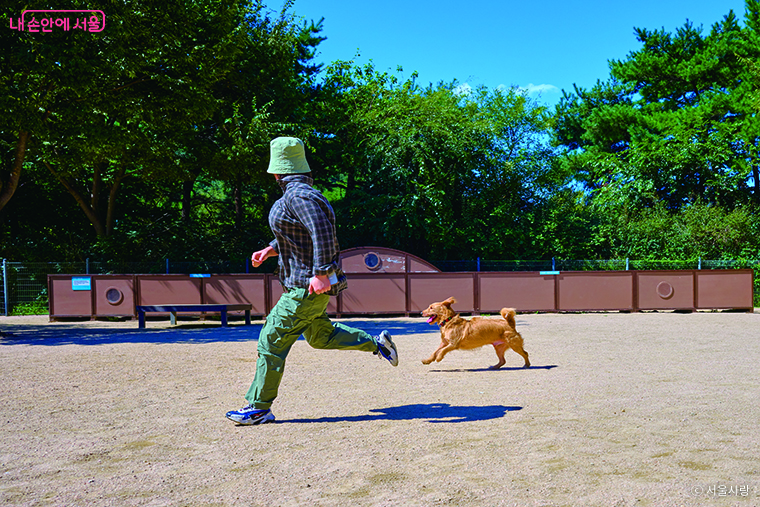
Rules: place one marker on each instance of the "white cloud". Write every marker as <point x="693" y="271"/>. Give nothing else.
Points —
<point x="463" y="89"/>
<point x="539" y="89"/>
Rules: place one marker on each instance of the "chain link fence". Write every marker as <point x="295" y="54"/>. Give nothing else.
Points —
<point x="23" y="285"/>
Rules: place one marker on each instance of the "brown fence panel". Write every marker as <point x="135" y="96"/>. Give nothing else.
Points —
<point x="426" y="288"/>
<point x="230" y="289"/>
<point x="417" y="265"/>
<point x="665" y="290"/>
<point x="525" y="292"/>
<point x="724" y="289"/>
<point x="377" y="293"/>
<point x="595" y="290"/>
<point x="114" y="295"/>
<point x="169" y="290"/>
<point x="374" y="294"/>
<point x="65" y="301"/>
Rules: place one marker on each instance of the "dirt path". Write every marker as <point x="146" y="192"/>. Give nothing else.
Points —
<point x="651" y="409"/>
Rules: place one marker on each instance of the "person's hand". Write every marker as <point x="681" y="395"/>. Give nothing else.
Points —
<point x="258" y="257"/>
<point x="319" y="284"/>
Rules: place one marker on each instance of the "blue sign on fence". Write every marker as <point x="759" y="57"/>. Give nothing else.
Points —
<point x="81" y="283"/>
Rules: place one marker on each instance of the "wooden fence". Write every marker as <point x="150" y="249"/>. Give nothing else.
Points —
<point x="388" y="282"/>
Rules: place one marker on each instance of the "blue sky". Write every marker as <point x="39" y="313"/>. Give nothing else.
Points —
<point x="543" y="46"/>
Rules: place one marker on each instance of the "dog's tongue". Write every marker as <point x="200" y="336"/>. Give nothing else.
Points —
<point x="431" y="319"/>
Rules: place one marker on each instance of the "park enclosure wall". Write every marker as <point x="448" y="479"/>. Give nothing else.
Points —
<point x="388" y="282"/>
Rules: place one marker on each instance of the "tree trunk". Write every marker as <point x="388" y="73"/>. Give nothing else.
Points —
<point x="8" y="188"/>
<point x="97" y="180"/>
<point x="100" y="230"/>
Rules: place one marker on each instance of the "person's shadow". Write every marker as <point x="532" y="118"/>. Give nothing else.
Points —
<point x="432" y="412"/>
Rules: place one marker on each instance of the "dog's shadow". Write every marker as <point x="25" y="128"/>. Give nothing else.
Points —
<point x="432" y="412"/>
<point x="503" y="368"/>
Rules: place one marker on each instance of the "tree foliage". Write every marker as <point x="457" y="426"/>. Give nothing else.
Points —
<point x="432" y="171"/>
<point x="150" y="140"/>
<point x="672" y="134"/>
<point x="120" y="119"/>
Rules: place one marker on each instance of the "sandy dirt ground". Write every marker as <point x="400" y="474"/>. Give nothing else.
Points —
<point x="644" y="409"/>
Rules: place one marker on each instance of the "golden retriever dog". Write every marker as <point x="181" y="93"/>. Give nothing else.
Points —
<point x="459" y="333"/>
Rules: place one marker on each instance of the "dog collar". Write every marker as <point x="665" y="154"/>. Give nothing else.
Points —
<point x="441" y="324"/>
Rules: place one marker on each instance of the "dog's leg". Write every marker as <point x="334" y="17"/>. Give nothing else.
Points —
<point x="517" y="345"/>
<point x="500" y="347"/>
<point x="442" y="352"/>
<point x="432" y="357"/>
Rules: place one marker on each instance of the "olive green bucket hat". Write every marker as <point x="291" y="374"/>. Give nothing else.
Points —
<point x="287" y="156"/>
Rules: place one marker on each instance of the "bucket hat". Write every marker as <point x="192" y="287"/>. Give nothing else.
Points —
<point x="287" y="156"/>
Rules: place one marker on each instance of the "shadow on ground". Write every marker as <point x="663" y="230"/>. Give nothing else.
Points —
<point x="184" y="332"/>
<point x="431" y="412"/>
<point x="503" y="368"/>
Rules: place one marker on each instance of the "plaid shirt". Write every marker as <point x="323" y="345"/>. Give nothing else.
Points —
<point x="303" y="223"/>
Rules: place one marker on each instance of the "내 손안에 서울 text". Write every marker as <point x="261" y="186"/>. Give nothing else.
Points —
<point x="47" y="21"/>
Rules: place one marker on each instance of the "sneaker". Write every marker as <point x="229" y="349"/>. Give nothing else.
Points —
<point x="386" y="348"/>
<point x="250" y="415"/>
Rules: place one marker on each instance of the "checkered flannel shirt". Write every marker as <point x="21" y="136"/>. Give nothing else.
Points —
<point x="303" y="223"/>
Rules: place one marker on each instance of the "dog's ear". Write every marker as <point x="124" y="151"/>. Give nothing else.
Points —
<point x="450" y="301"/>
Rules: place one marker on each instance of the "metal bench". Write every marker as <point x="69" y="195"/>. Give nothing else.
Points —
<point x="174" y="309"/>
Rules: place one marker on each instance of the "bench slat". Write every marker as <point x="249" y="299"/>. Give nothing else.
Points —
<point x="174" y="309"/>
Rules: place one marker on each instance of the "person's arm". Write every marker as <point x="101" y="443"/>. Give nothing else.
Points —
<point x="258" y="257"/>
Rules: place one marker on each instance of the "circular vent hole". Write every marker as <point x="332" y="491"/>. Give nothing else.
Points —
<point x="372" y="261"/>
<point x="665" y="290"/>
<point x="114" y="296"/>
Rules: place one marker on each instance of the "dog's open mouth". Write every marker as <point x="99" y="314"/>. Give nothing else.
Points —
<point x="432" y="319"/>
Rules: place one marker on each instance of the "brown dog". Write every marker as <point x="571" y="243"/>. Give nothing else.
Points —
<point x="458" y="333"/>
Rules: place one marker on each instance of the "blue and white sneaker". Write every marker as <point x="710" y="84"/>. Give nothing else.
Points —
<point x="386" y="348"/>
<point x="250" y="415"/>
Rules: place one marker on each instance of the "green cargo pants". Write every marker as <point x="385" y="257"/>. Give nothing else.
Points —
<point x="296" y="313"/>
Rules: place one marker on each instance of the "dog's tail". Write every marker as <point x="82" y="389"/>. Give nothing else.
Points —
<point x="509" y="315"/>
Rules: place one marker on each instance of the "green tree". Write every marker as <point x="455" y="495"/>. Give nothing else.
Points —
<point x="165" y="97"/>
<point x="105" y="97"/>
<point x="267" y="95"/>
<point x="431" y="170"/>
<point x="668" y="120"/>
<point x="670" y="136"/>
